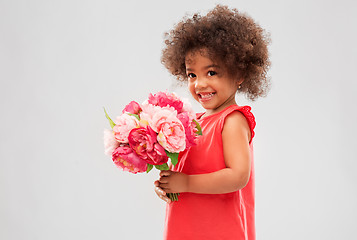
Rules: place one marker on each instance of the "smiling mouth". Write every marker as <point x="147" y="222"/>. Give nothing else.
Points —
<point x="205" y="96"/>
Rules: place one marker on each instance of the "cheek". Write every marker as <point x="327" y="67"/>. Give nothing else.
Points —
<point x="191" y="88"/>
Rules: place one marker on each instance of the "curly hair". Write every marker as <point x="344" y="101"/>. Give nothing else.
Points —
<point x="230" y="37"/>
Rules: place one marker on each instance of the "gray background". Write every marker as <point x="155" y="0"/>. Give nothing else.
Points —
<point x="62" y="61"/>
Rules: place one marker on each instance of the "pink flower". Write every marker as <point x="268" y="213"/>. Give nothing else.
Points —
<point x="110" y="144"/>
<point x="143" y="142"/>
<point x="171" y="134"/>
<point x="133" y="107"/>
<point x="188" y="108"/>
<point x="153" y="115"/>
<point x="190" y="128"/>
<point x="164" y="99"/>
<point x="125" y="158"/>
<point x="164" y="121"/>
<point x="123" y="125"/>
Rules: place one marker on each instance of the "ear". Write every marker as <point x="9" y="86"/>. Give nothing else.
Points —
<point x="239" y="81"/>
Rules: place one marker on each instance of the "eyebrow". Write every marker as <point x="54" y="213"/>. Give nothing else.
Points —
<point x="206" y="67"/>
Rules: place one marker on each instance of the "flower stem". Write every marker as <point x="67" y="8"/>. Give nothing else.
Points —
<point x="173" y="196"/>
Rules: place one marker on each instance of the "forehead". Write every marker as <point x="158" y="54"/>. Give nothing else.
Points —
<point x="198" y="57"/>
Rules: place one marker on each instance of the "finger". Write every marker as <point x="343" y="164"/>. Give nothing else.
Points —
<point x="166" y="199"/>
<point x="165" y="187"/>
<point x="162" y="194"/>
<point x="156" y="183"/>
<point x="168" y="190"/>
<point x="165" y="173"/>
<point x="163" y="180"/>
<point x="160" y="191"/>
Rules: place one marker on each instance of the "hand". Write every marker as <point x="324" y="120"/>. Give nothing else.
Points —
<point x="173" y="182"/>
<point x="161" y="193"/>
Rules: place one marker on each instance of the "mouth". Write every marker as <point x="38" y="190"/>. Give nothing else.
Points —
<point x="205" y="96"/>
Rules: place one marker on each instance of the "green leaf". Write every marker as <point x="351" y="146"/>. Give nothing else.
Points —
<point x="162" y="167"/>
<point x="149" y="168"/>
<point x="199" y="129"/>
<point x="134" y="115"/>
<point x="173" y="157"/>
<point x="112" y="124"/>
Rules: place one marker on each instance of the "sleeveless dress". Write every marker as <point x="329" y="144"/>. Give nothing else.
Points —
<point x="212" y="216"/>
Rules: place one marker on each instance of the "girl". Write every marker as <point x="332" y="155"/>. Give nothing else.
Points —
<point x="218" y="55"/>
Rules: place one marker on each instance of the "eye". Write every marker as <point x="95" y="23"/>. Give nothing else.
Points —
<point x="191" y="75"/>
<point x="211" y="73"/>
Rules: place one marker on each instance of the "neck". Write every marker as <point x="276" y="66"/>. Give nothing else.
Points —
<point x="230" y="101"/>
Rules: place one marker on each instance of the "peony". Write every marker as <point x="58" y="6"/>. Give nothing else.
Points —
<point x="190" y="128"/>
<point x="164" y="99"/>
<point x="143" y="142"/>
<point x="187" y="107"/>
<point x="110" y="144"/>
<point x="133" y="107"/>
<point x="171" y="134"/>
<point x="125" y="158"/>
<point x="164" y="121"/>
<point x="152" y="115"/>
<point x="123" y="125"/>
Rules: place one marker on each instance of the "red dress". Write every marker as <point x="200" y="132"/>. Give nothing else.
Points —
<point x="212" y="216"/>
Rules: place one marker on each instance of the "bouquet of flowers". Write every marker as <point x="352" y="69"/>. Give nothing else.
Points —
<point x="147" y="135"/>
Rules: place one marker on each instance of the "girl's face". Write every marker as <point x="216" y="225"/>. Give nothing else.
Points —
<point x="209" y="82"/>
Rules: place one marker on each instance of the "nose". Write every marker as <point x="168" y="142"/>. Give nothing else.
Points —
<point x="201" y="83"/>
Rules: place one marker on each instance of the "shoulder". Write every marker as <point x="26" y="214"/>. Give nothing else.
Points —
<point x="236" y="120"/>
<point x="239" y="121"/>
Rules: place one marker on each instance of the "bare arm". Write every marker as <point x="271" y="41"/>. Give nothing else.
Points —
<point x="235" y="136"/>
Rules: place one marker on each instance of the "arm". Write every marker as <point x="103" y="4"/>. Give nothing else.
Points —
<point x="236" y="137"/>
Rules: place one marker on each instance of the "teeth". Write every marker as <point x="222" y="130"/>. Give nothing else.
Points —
<point x="207" y="95"/>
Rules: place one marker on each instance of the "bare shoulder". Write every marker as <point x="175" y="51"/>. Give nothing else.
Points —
<point x="236" y="151"/>
<point x="236" y="123"/>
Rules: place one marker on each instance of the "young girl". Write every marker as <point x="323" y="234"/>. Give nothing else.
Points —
<point x="218" y="55"/>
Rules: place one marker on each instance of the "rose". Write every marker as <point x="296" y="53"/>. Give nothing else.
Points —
<point x="163" y="99"/>
<point x="110" y="144"/>
<point x="133" y="107"/>
<point x="123" y="125"/>
<point x="143" y="142"/>
<point x="125" y="158"/>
